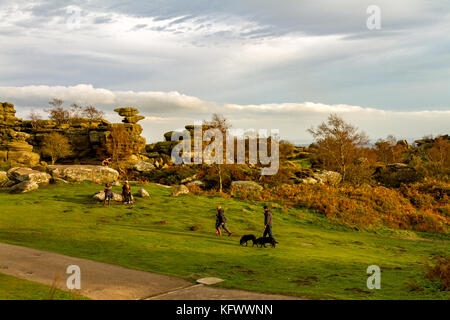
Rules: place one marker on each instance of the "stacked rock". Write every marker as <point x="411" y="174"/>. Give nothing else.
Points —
<point x="129" y="114"/>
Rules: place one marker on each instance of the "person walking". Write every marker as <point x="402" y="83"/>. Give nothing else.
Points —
<point x="221" y="222"/>
<point x="267" y="222"/>
<point x="126" y="193"/>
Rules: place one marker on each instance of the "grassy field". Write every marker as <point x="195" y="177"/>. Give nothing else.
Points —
<point x="12" y="288"/>
<point x="314" y="259"/>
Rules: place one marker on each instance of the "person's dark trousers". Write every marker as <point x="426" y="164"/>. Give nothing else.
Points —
<point x="268" y="231"/>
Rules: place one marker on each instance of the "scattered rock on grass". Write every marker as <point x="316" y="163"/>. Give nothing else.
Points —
<point x="117" y="197"/>
<point x="180" y="189"/>
<point x="143" y="193"/>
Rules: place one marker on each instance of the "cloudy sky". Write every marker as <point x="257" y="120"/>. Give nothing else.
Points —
<point x="282" y="64"/>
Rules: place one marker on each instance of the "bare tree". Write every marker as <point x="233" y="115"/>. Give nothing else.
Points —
<point x="339" y="144"/>
<point x="222" y="124"/>
<point x="76" y="111"/>
<point x="92" y="113"/>
<point x="35" y="119"/>
<point x="58" y="113"/>
<point x="56" y="146"/>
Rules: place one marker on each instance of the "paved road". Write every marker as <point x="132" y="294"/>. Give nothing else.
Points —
<point x="106" y="281"/>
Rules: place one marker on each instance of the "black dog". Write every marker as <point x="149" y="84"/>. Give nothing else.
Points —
<point x="247" y="238"/>
<point x="263" y="241"/>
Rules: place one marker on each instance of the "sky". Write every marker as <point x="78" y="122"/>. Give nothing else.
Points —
<point x="284" y="64"/>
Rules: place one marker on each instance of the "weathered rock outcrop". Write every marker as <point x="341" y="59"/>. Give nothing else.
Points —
<point x="328" y="177"/>
<point x="20" y="141"/>
<point x="179" y="190"/>
<point x="78" y="173"/>
<point x="247" y="185"/>
<point x="24" y="187"/>
<point x="14" y="148"/>
<point x="144" y="166"/>
<point x="130" y="115"/>
<point x="396" y="174"/>
<point x="20" y="174"/>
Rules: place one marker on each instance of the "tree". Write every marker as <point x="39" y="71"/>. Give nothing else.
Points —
<point x="56" y="146"/>
<point x="339" y="145"/>
<point x="222" y="124"/>
<point x="35" y="119"/>
<point x="58" y="113"/>
<point x="92" y="113"/>
<point x="76" y="112"/>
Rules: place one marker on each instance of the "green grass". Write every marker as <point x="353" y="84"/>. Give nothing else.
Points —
<point x="302" y="163"/>
<point x="12" y="288"/>
<point x="314" y="259"/>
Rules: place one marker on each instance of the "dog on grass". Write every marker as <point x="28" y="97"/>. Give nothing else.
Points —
<point x="265" y="240"/>
<point x="247" y="238"/>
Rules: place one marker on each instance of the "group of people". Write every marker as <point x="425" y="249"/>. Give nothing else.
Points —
<point x="126" y="194"/>
<point x="221" y="222"/>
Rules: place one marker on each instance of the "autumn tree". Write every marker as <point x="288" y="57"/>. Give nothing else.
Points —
<point x="389" y="150"/>
<point x="340" y="146"/>
<point x="56" y="146"/>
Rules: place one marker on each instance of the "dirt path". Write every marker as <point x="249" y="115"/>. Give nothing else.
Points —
<point x="106" y="281"/>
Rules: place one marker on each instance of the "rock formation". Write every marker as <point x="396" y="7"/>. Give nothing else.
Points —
<point x="14" y="148"/>
<point x="78" y="173"/>
<point x="130" y="115"/>
<point x="20" y="141"/>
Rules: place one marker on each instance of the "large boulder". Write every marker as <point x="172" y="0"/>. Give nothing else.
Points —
<point x="143" y="193"/>
<point x="247" y="185"/>
<point x="196" y="183"/>
<point x="328" y="177"/>
<point x="26" y="174"/>
<point x="24" y="187"/>
<point x="179" y="190"/>
<point x="308" y="180"/>
<point x="395" y="174"/>
<point x="78" y="173"/>
<point x="144" y="166"/>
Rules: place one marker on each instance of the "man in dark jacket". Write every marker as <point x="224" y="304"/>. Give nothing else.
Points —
<point x="267" y="222"/>
<point x="220" y="221"/>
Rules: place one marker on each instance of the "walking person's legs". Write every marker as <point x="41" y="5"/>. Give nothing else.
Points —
<point x="226" y="229"/>
<point x="218" y="229"/>
<point x="268" y="231"/>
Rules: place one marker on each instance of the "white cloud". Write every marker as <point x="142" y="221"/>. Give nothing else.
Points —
<point x="166" y="111"/>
